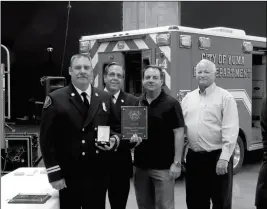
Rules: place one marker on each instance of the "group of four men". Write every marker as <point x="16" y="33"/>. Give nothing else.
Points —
<point x="84" y="171"/>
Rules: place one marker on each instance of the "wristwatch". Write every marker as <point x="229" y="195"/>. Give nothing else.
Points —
<point x="177" y="163"/>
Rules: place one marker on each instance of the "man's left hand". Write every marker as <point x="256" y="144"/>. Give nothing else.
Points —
<point x="112" y="142"/>
<point x="136" y="139"/>
<point x="221" y="167"/>
<point x="175" y="171"/>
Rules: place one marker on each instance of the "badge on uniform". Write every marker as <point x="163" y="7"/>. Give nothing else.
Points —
<point x="47" y="102"/>
<point x="104" y="106"/>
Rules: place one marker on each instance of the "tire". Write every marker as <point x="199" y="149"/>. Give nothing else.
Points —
<point x="238" y="156"/>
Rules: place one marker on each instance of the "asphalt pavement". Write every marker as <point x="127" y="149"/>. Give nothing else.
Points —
<point x="244" y="186"/>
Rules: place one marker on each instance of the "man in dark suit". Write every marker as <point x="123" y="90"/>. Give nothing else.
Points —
<point x="121" y="169"/>
<point x="70" y="120"/>
<point x="261" y="190"/>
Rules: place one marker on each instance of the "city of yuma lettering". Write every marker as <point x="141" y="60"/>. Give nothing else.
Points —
<point x="230" y="60"/>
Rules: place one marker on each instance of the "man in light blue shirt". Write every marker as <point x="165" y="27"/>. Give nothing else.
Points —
<point x="211" y="118"/>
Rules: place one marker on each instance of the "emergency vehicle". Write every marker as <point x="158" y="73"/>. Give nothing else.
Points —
<point x="240" y="60"/>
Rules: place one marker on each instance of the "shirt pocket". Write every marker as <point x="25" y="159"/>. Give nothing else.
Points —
<point x="212" y="113"/>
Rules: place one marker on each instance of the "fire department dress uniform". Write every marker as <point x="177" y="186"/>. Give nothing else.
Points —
<point x="67" y="139"/>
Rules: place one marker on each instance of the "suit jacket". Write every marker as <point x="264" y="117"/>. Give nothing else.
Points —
<point x="122" y="158"/>
<point x="68" y="131"/>
<point x="264" y="126"/>
<point x="261" y="189"/>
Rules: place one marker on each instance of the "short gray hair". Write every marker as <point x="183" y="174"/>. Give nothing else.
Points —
<point x="75" y="56"/>
<point x="207" y="63"/>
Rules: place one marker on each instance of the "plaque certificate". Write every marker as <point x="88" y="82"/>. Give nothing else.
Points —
<point x="133" y="121"/>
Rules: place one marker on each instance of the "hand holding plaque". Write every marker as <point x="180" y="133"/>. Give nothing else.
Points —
<point x="133" y="121"/>
<point x="136" y="139"/>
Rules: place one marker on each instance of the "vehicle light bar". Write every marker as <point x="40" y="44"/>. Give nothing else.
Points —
<point x="204" y="43"/>
<point x="185" y="41"/>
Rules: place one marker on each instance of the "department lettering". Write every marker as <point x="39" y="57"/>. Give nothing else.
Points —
<point x="223" y="59"/>
<point x="233" y="73"/>
<point x="223" y="72"/>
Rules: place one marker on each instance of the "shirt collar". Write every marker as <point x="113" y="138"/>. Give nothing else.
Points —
<point x="208" y="90"/>
<point x="115" y="95"/>
<point x="159" y="98"/>
<point x="88" y="90"/>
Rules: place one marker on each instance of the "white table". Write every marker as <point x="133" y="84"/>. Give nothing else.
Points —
<point x="30" y="181"/>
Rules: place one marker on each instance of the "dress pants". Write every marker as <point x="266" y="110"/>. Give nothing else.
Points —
<point x="114" y="182"/>
<point x="79" y="192"/>
<point x="154" y="189"/>
<point x="118" y="189"/>
<point x="204" y="185"/>
<point x="261" y="190"/>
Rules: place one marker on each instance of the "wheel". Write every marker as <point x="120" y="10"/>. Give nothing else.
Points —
<point x="238" y="155"/>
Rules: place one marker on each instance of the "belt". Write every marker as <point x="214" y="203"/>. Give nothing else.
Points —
<point x="204" y="152"/>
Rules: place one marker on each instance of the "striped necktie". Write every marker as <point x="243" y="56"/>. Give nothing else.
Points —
<point x="114" y="99"/>
<point x="85" y="100"/>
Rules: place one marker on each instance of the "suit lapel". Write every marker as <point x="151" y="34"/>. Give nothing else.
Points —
<point x="76" y="100"/>
<point x="95" y="100"/>
<point x="120" y="102"/>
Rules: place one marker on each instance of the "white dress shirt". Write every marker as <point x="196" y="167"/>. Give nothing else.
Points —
<point x="212" y="120"/>
<point x="115" y="95"/>
<point x="88" y="93"/>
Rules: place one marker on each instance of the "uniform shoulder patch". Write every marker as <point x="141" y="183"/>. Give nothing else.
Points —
<point x="47" y="102"/>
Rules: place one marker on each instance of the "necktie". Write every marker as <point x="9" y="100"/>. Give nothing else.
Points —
<point x="114" y="99"/>
<point x="85" y="100"/>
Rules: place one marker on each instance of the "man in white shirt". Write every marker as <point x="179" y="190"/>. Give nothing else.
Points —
<point x="212" y="122"/>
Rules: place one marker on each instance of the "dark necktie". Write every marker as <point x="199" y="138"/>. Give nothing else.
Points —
<point x="114" y="99"/>
<point x="85" y="100"/>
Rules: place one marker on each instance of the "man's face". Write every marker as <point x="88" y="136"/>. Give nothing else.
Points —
<point x="81" y="72"/>
<point x="114" y="78"/>
<point x="204" y="75"/>
<point x="152" y="80"/>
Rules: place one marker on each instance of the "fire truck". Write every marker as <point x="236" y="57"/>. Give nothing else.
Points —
<point x="240" y="60"/>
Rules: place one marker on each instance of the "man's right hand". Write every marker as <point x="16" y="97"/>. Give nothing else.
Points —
<point x="58" y="185"/>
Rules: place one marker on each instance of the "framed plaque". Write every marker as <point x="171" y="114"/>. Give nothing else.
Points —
<point x="30" y="199"/>
<point x="133" y="121"/>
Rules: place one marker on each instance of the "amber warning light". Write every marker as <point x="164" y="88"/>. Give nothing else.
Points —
<point x="84" y="47"/>
<point x="247" y="46"/>
<point x="185" y="41"/>
<point x="163" y="39"/>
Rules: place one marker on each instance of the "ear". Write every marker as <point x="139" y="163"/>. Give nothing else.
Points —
<point x="214" y="76"/>
<point x="105" y="79"/>
<point x="70" y="70"/>
<point x="162" y="82"/>
<point x="163" y="79"/>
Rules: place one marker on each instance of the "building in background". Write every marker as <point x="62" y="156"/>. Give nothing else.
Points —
<point x="138" y="15"/>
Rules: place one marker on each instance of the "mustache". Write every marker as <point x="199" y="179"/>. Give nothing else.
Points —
<point x="82" y="76"/>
